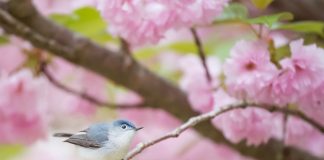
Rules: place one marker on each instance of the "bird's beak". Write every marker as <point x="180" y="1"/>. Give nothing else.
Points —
<point x="137" y="129"/>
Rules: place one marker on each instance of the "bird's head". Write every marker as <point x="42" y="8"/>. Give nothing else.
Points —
<point x="123" y="131"/>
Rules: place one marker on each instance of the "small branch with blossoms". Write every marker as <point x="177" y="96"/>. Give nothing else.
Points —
<point x="82" y="95"/>
<point x="210" y="115"/>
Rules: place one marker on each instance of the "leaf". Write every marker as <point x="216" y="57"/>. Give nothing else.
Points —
<point x="281" y="53"/>
<point x="8" y="152"/>
<point x="305" y="27"/>
<point x="183" y="47"/>
<point x="3" y="40"/>
<point x="86" y="21"/>
<point x="269" y="20"/>
<point x="261" y="4"/>
<point x="234" y="11"/>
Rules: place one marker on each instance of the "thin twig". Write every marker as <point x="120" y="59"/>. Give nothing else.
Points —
<point x="83" y="95"/>
<point x="284" y="133"/>
<point x="291" y="112"/>
<point x="176" y="132"/>
<point x="201" y="53"/>
<point x="210" y="115"/>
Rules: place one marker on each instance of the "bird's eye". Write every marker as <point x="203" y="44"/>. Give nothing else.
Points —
<point x="124" y="126"/>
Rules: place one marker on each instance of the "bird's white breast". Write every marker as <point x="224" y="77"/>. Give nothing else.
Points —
<point x="102" y="153"/>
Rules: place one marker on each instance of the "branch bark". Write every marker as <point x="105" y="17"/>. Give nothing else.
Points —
<point x="22" y="19"/>
<point x="302" y="9"/>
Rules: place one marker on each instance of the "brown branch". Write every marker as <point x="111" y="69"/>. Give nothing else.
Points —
<point x="22" y="19"/>
<point x="125" y="47"/>
<point x="302" y="9"/>
<point x="208" y="116"/>
<point x="83" y="95"/>
<point x="201" y="53"/>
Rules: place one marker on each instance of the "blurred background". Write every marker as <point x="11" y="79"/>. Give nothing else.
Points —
<point x="41" y="94"/>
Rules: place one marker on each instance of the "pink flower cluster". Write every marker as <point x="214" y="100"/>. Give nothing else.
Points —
<point x="29" y="105"/>
<point x="195" y="83"/>
<point x="146" y="21"/>
<point x="248" y="69"/>
<point x="250" y="74"/>
<point x="254" y="125"/>
<point x="22" y="114"/>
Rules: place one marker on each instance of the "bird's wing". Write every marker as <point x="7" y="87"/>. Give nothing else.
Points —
<point x="83" y="140"/>
<point x="93" y="137"/>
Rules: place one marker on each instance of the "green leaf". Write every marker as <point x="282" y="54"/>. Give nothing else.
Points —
<point x="146" y="52"/>
<point x="8" y="152"/>
<point x="261" y="4"/>
<point x="234" y="11"/>
<point x="281" y="53"/>
<point x="270" y="20"/>
<point x="305" y="27"/>
<point x="183" y="47"/>
<point x="87" y="22"/>
<point x="3" y="40"/>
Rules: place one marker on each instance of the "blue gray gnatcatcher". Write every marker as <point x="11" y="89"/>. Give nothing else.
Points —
<point x="103" y="141"/>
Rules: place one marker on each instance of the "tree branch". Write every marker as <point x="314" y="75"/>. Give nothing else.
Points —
<point x="177" y="131"/>
<point x="22" y="19"/>
<point x="125" y="47"/>
<point x="83" y="95"/>
<point x="302" y="9"/>
<point x="208" y="116"/>
<point x="201" y="53"/>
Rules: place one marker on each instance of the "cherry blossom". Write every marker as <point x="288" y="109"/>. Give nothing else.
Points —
<point x="22" y="114"/>
<point x="252" y="124"/>
<point x="194" y="81"/>
<point x="146" y="21"/>
<point x="248" y="69"/>
<point x="299" y="75"/>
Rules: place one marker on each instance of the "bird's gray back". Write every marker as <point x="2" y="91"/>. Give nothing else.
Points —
<point x="98" y="132"/>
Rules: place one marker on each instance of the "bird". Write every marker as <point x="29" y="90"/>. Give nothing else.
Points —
<point x="103" y="141"/>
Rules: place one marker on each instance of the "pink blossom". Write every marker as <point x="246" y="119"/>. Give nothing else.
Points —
<point x="210" y="150"/>
<point x="248" y="69"/>
<point x="11" y="58"/>
<point x="12" y="55"/>
<point x="312" y="104"/>
<point x="22" y="114"/>
<point x="303" y="135"/>
<point x="60" y="102"/>
<point x="300" y="74"/>
<point x="254" y="125"/>
<point x="146" y="21"/>
<point x="194" y="81"/>
<point x="222" y="99"/>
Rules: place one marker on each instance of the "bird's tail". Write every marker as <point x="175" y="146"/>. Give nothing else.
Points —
<point x="62" y="135"/>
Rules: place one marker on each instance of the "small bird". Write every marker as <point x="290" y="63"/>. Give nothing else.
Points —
<point x="103" y="141"/>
